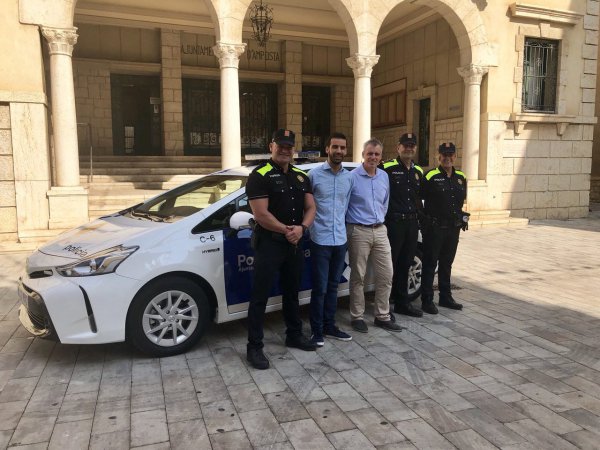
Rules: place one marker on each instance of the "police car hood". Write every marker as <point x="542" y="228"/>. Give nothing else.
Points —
<point x="99" y="235"/>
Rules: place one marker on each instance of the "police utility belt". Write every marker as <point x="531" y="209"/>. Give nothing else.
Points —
<point x="402" y="216"/>
<point x="461" y="220"/>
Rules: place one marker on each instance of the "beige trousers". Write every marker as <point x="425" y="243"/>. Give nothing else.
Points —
<point x="373" y="243"/>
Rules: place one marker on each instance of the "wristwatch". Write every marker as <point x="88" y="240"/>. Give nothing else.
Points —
<point x="304" y="228"/>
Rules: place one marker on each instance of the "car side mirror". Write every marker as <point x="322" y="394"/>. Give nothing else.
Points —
<point x="241" y="220"/>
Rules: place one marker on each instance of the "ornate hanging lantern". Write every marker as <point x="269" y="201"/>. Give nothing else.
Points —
<point x="261" y="16"/>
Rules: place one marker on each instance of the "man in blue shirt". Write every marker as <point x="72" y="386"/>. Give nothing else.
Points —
<point x="331" y="185"/>
<point x="367" y="237"/>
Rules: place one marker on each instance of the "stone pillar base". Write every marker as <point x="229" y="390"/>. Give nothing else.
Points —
<point x="477" y="196"/>
<point x="68" y="207"/>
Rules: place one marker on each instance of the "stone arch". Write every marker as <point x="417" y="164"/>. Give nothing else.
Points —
<point x="57" y="14"/>
<point x="228" y="17"/>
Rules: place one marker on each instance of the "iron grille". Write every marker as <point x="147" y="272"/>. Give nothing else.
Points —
<point x="258" y="116"/>
<point x="316" y="117"/>
<point x="540" y="68"/>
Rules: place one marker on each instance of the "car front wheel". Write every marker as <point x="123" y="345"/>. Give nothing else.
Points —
<point x="414" y="276"/>
<point x="168" y="316"/>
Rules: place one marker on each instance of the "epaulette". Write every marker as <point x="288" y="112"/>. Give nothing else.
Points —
<point x="265" y="169"/>
<point x="432" y="173"/>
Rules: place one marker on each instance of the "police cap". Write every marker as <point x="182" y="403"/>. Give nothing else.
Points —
<point x="447" y="148"/>
<point x="285" y="137"/>
<point x="408" y="138"/>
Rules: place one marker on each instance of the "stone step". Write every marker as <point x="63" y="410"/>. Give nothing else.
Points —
<point x="142" y="159"/>
<point x="492" y="223"/>
<point x="141" y="178"/>
<point x="163" y="171"/>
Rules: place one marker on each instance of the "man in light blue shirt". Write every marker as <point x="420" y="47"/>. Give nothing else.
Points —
<point x="367" y="238"/>
<point x="331" y="185"/>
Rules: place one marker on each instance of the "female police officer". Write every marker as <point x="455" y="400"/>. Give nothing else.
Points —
<point x="444" y="190"/>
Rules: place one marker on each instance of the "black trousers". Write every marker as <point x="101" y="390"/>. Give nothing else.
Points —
<point x="272" y="257"/>
<point x="403" y="235"/>
<point x="439" y="247"/>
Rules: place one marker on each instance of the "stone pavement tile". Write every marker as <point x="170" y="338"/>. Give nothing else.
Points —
<point x="57" y="374"/>
<point x="111" y="416"/>
<point x="538" y="435"/>
<point x="268" y="381"/>
<point x="5" y="438"/>
<point x="584" y="385"/>
<point x="469" y="440"/>
<point x="15" y="344"/>
<point x="77" y="407"/>
<point x="445" y="397"/>
<point x="71" y="435"/>
<point x="389" y="406"/>
<point x="85" y="379"/>
<point x="546" y="344"/>
<point x="361" y="381"/>
<point x="211" y="389"/>
<point x="584" y="418"/>
<point x="497" y="357"/>
<point x="145" y="397"/>
<point x="118" y="363"/>
<point x="182" y="406"/>
<point x="306" y="388"/>
<point x="149" y="427"/>
<point x="547" y="382"/>
<point x="346" y="398"/>
<point x="436" y="416"/>
<point x="350" y="440"/>
<point x="510" y="352"/>
<point x="220" y="417"/>
<point x="583" y="400"/>
<point x="306" y="435"/>
<point x="159" y="446"/>
<point x="262" y="427"/>
<point x="545" y="417"/>
<point x="422" y="435"/>
<point x="452" y="380"/>
<point x="231" y="367"/>
<point x="328" y="416"/>
<point x="178" y="381"/>
<point x="412" y="373"/>
<point x="146" y="372"/>
<point x="246" y="397"/>
<point x="322" y="373"/>
<point x="501" y="374"/>
<point x="488" y="427"/>
<point x="46" y="398"/>
<point x="175" y="363"/>
<point x="584" y="439"/>
<point x="465" y="355"/>
<point x="374" y="426"/>
<point x="459" y="367"/>
<point x="402" y="388"/>
<point x="494" y="407"/>
<point x="114" y="388"/>
<point x="287" y="367"/>
<point x="38" y="446"/>
<point x="18" y="389"/>
<point x="33" y="428"/>
<point x="338" y="360"/>
<point x="34" y="360"/>
<point x="5" y="377"/>
<point x="469" y="344"/>
<point x="115" y="440"/>
<point x="10" y="414"/>
<point x="188" y="435"/>
<point x="544" y="397"/>
<point x="277" y="446"/>
<point x="232" y="440"/>
<point x="203" y="367"/>
<point x="538" y="351"/>
<point x="286" y="407"/>
<point x="497" y="389"/>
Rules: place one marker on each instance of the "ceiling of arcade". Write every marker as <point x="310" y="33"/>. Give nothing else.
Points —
<point x="309" y="20"/>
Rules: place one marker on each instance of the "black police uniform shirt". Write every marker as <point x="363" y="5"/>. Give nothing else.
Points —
<point x="285" y="191"/>
<point x="405" y="186"/>
<point x="444" y="196"/>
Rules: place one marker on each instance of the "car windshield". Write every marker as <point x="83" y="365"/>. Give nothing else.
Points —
<point x="188" y="199"/>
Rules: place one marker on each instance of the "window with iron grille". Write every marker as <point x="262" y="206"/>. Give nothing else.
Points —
<point x="540" y="69"/>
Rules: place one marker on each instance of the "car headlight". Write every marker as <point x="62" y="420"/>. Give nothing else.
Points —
<point x="99" y="263"/>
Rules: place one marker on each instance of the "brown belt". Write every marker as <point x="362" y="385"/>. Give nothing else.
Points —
<point x="373" y="225"/>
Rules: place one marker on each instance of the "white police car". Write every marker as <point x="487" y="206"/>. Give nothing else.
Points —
<point x="155" y="274"/>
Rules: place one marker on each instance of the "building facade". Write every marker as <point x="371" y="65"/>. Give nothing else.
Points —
<point x="511" y="83"/>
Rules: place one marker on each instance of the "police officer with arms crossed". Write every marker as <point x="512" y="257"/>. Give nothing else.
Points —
<point x="401" y="219"/>
<point x="281" y="199"/>
<point x="444" y="191"/>
<point x="331" y="185"/>
<point x="367" y="238"/>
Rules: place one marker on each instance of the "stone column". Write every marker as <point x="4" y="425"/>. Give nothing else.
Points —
<point x="231" y="143"/>
<point x="290" y="90"/>
<point x="472" y="76"/>
<point x="68" y="201"/>
<point x="171" y="91"/>
<point x="362" y="66"/>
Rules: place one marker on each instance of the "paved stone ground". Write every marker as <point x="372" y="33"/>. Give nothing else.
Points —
<point x="519" y="368"/>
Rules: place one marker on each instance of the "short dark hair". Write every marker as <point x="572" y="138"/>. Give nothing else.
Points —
<point x="335" y="135"/>
<point x="373" y="142"/>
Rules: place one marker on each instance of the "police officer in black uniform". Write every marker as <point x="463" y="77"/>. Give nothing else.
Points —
<point x="444" y="190"/>
<point x="282" y="202"/>
<point x="401" y="219"/>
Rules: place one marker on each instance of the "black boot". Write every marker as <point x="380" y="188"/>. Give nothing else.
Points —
<point x="448" y="302"/>
<point x="407" y="309"/>
<point x="428" y="306"/>
<point x="257" y="358"/>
